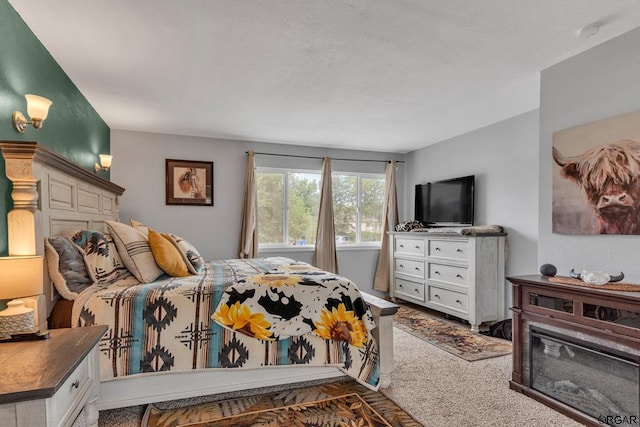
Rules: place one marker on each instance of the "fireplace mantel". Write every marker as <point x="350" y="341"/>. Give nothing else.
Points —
<point x="608" y="319"/>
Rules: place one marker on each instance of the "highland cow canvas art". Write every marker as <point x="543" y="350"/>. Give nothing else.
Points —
<point x="596" y="177"/>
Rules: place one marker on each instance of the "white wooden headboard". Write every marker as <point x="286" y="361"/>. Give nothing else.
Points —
<point x="51" y="197"/>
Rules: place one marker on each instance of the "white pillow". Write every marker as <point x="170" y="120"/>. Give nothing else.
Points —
<point x="135" y="251"/>
<point x="144" y="229"/>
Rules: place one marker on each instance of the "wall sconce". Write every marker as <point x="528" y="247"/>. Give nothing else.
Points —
<point x="105" y="163"/>
<point x="37" y="108"/>
<point x="20" y="276"/>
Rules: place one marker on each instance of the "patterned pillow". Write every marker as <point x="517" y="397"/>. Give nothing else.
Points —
<point x="167" y="256"/>
<point x="195" y="261"/>
<point x="408" y="225"/>
<point x="67" y="267"/>
<point x="135" y="251"/>
<point x="102" y="257"/>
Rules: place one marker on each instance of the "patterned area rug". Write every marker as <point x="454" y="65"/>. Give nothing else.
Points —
<point x="344" y="403"/>
<point x="449" y="336"/>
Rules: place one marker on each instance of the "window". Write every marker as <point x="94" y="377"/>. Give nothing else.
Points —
<point x="287" y="207"/>
<point x="357" y="208"/>
<point x="288" y="202"/>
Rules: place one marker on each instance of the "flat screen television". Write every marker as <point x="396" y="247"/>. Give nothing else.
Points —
<point x="446" y="203"/>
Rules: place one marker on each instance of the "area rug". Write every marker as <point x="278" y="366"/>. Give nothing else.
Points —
<point x="342" y="403"/>
<point x="452" y="337"/>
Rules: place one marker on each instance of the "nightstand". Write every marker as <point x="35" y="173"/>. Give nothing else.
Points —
<point x="51" y="382"/>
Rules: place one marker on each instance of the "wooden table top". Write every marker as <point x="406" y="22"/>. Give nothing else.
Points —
<point x="36" y="369"/>
<point x="543" y="281"/>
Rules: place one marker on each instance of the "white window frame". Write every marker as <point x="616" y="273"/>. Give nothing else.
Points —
<point x="358" y="245"/>
<point x="285" y="230"/>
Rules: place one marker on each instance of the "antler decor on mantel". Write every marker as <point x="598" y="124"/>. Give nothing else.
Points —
<point x="596" y="277"/>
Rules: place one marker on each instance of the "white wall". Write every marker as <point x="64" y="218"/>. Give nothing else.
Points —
<point x="504" y="159"/>
<point x="597" y="84"/>
<point x="139" y="166"/>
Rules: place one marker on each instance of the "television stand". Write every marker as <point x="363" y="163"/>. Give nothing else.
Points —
<point x="460" y="275"/>
<point x="585" y="338"/>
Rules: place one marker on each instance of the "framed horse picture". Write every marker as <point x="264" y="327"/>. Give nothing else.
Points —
<point x="189" y="182"/>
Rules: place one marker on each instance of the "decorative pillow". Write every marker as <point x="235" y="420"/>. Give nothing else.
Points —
<point x="144" y="229"/>
<point x="102" y="257"/>
<point x="67" y="267"/>
<point x="190" y="254"/>
<point x="167" y="256"/>
<point x="135" y="251"/>
<point x="408" y="225"/>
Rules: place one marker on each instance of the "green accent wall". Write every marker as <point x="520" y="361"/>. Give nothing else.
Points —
<point x="73" y="128"/>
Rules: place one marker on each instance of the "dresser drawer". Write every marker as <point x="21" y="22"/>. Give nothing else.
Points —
<point x="448" y="249"/>
<point x="448" y="273"/>
<point x="450" y="299"/>
<point x="72" y="392"/>
<point x="407" y="288"/>
<point x="415" y="247"/>
<point x="410" y="267"/>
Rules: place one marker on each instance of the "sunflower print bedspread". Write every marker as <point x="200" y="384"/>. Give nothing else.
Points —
<point x="297" y="315"/>
<point x="296" y="299"/>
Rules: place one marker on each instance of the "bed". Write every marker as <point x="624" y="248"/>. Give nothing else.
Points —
<point x="54" y="197"/>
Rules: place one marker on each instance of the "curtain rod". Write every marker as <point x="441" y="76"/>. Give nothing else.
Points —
<point x="320" y="158"/>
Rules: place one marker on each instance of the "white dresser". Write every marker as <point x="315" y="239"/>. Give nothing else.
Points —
<point x="456" y="274"/>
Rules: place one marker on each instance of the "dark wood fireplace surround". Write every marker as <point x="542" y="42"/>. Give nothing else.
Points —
<point x="524" y="287"/>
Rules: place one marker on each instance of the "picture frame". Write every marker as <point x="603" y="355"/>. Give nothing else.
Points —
<point x="189" y="182"/>
<point x="595" y="179"/>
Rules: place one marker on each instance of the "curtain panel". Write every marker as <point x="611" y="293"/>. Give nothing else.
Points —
<point x="390" y="219"/>
<point x="324" y="256"/>
<point x="249" y="232"/>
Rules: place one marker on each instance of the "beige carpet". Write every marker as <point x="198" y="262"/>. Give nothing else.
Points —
<point x="440" y="389"/>
<point x="450" y="336"/>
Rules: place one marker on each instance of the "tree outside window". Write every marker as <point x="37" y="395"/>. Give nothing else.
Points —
<point x="288" y="204"/>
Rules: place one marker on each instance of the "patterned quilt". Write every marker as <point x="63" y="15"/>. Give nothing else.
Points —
<point x="239" y="313"/>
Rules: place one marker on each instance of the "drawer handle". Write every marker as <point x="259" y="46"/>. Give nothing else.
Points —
<point x="437" y="248"/>
<point x="402" y="246"/>
<point x="459" y="276"/>
<point x="436" y="272"/>
<point x="437" y="296"/>
<point x="75" y="384"/>
<point x="417" y="247"/>
<point x="401" y="266"/>
<point x="458" y="301"/>
<point x="458" y="250"/>
<point x="399" y="285"/>
<point x="417" y="268"/>
<point x="417" y="291"/>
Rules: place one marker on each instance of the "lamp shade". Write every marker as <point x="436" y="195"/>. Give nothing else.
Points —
<point x="37" y="106"/>
<point x="105" y="160"/>
<point x="20" y="276"/>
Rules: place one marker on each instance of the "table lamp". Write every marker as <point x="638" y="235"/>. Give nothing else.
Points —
<point x="20" y="276"/>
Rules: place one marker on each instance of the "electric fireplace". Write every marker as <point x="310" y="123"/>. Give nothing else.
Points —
<point x="589" y="378"/>
<point x="577" y="350"/>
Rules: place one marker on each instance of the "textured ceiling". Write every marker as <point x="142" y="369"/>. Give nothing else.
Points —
<point x="361" y="74"/>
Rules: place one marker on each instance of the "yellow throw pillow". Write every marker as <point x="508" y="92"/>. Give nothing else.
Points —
<point x="166" y="255"/>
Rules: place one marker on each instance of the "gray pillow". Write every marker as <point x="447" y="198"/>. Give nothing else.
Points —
<point x="67" y="267"/>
